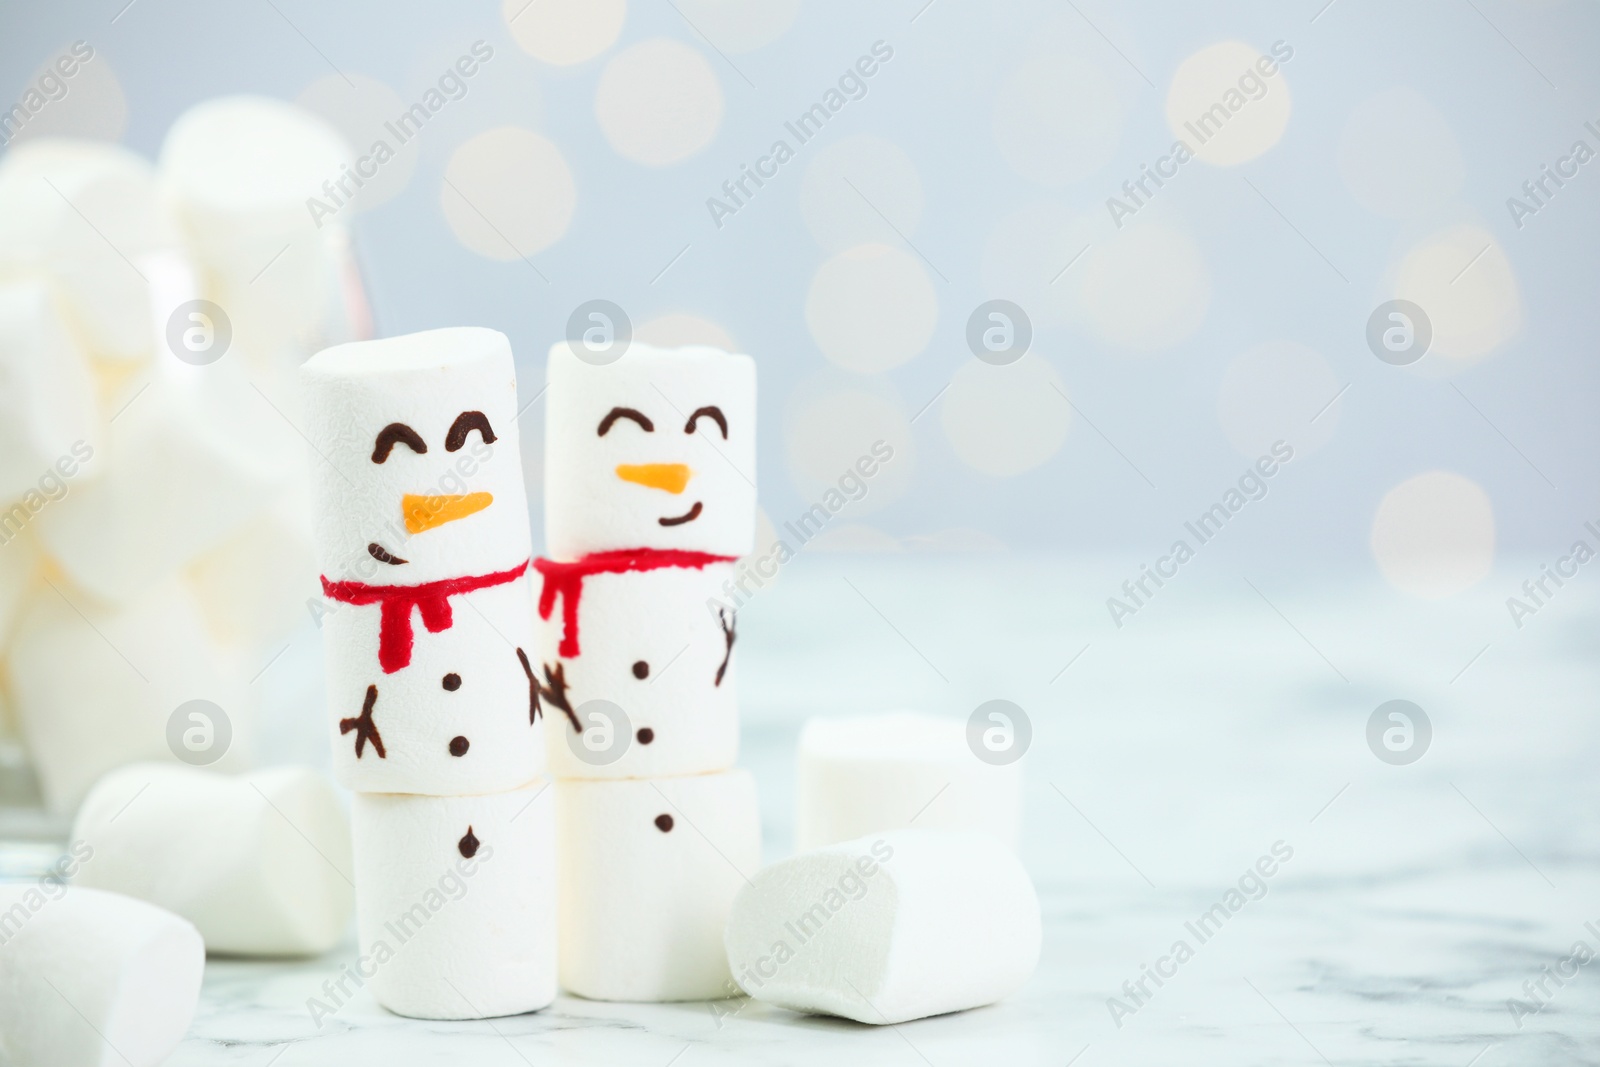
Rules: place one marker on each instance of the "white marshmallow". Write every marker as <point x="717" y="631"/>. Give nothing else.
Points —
<point x="649" y="644"/>
<point x="260" y="863"/>
<point x="255" y="587"/>
<point x="425" y="382"/>
<point x="595" y="503"/>
<point x="240" y="171"/>
<point x="455" y="901"/>
<point x="185" y="468"/>
<point x="423" y="723"/>
<point x="86" y="213"/>
<point x="449" y="392"/>
<point x="47" y="401"/>
<point x="648" y="870"/>
<point x="888" y="928"/>
<point x="13" y="757"/>
<point x="93" y="978"/>
<point x="94" y="687"/>
<point x="871" y="773"/>
<point x="19" y="575"/>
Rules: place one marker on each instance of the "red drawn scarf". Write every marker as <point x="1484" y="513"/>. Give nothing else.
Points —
<point x="565" y="580"/>
<point x="431" y="599"/>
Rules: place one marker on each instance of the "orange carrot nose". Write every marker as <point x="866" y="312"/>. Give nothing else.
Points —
<point x="426" y="512"/>
<point x="673" y="477"/>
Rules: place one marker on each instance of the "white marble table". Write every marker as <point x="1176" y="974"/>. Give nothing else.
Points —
<point x="1172" y="753"/>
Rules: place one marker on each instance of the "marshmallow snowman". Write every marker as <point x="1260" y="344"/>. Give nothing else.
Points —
<point x="653" y="649"/>
<point x="656" y="450"/>
<point x="421" y="531"/>
<point x="648" y="873"/>
<point x="456" y="901"/>
<point x="649" y="500"/>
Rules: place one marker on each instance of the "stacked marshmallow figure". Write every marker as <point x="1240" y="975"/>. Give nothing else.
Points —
<point x="421" y="529"/>
<point x="649" y="501"/>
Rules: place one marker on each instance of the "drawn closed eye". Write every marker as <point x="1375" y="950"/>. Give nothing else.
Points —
<point x="626" y="413"/>
<point x="711" y="411"/>
<point x="393" y="434"/>
<point x="465" y="423"/>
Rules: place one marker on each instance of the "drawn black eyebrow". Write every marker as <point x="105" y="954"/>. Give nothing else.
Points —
<point x="465" y="423"/>
<point x="396" y="433"/>
<point x="626" y="413"/>
<point x="711" y="411"/>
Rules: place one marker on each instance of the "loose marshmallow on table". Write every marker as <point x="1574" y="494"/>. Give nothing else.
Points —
<point x="455" y="901"/>
<point x="95" y="687"/>
<point x="260" y="863"/>
<point x="421" y="536"/>
<point x="47" y="401"/>
<point x="88" y="977"/>
<point x="85" y="213"/>
<point x="888" y="928"/>
<point x="187" y="463"/>
<point x="866" y="774"/>
<point x="648" y="643"/>
<point x="648" y="869"/>
<point x="653" y="450"/>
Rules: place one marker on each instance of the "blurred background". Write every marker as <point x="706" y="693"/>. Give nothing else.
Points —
<point x="578" y="161"/>
<point x="1322" y="273"/>
<point x="842" y="191"/>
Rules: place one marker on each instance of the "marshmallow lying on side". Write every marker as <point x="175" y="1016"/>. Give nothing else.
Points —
<point x="649" y="643"/>
<point x="47" y="402"/>
<point x="260" y="863"/>
<point x="86" y="213"/>
<point x="648" y="868"/>
<point x="95" y="687"/>
<point x="866" y="774"/>
<point x="93" y="978"/>
<point x="654" y="450"/>
<point x="888" y="928"/>
<point x="422" y="540"/>
<point x="455" y="901"/>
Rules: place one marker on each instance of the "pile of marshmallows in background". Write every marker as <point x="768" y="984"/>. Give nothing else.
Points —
<point x="154" y="527"/>
<point x="155" y="559"/>
<point x="541" y="749"/>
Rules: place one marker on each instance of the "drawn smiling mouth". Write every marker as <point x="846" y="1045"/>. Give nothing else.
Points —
<point x="382" y="555"/>
<point x="689" y="516"/>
